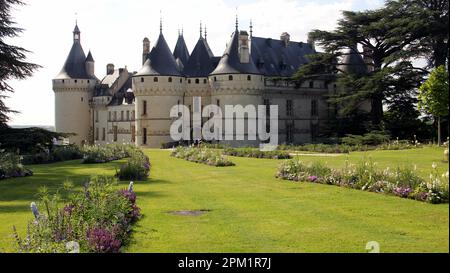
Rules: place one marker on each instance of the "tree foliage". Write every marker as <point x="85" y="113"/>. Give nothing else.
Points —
<point x="391" y="38"/>
<point x="13" y="63"/>
<point x="434" y="93"/>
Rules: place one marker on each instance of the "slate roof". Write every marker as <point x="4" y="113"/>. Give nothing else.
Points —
<point x="75" y="65"/>
<point x="160" y="61"/>
<point x="274" y="59"/>
<point x="181" y="52"/>
<point x="202" y="62"/>
<point x="122" y="95"/>
<point x="353" y="63"/>
<point x="89" y="57"/>
<point x="230" y="63"/>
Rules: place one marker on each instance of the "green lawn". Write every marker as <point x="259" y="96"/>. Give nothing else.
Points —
<point x="251" y="211"/>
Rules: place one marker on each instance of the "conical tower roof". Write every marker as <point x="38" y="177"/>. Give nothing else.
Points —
<point x="160" y="61"/>
<point x="230" y="62"/>
<point x="181" y="52"/>
<point x="353" y="63"/>
<point x="75" y="65"/>
<point x="201" y="62"/>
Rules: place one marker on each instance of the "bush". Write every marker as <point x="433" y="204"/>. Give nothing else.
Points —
<point x="252" y="152"/>
<point x="56" y="154"/>
<point x="402" y="182"/>
<point x="203" y="156"/>
<point x="136" y="168"/>
<point x="11" y="166"/>
<point x="102" y="154"/>
<point x="98" y="220"/>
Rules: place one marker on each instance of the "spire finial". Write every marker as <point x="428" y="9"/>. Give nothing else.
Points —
<point x="206" y="33"/>
<point x="251" y="28"/>
<point x="182" y="30"/>
<point x="160" y="21"/>
<point x="201" y="30"/>
<point x="237" y="19"/>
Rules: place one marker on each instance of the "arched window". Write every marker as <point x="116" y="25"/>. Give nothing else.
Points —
<point x="142" y="79"/>
<point x="170" y="79"/>
<point x="155" y="79"/>
<point x="311" y="84"/>
<point x="230" y="78"/>
<point x="181" y="80"/>
<point x="197" y="81"/>
<point x="249" y="78"/>
<point x="215" y="79"/>
<point x="189" y="81"/>
<point x="205" y="81"/>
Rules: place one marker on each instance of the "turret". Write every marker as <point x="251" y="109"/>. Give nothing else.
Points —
<point x="90" y="65"/>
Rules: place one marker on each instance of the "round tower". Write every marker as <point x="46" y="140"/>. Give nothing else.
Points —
<point x="73" y="88"/>
<point x="157" y="87"/>
<point x="236" y="81"/>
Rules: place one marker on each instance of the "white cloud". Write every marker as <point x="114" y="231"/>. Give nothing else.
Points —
<point x="114" y="29"/>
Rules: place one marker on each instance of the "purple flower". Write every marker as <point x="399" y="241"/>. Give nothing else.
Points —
<point x="103" y="241"/>
<point x="402" y="191"/>
<point x="131" y="196"/>
<point x="312" y="178"/>
<point x="69" y="209"/>
<point x="35" y="210"/>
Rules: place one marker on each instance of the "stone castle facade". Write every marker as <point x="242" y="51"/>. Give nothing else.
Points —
<point x="133" y="107"/>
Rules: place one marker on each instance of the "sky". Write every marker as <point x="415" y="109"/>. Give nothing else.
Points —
<point x="114" y="29"/>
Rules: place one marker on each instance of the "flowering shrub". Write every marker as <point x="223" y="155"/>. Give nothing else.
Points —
<point x="103" y="154"/>
<point x="98" y="219"/>
<point x="402" y="182"/>
<point x="203" y="155"/>
<point x="251" y="152"/>
<point x="347" y="148"/>
<point x="11" y="166"/>
<point x="136" y="168"/>
<point x="56" y="154"/>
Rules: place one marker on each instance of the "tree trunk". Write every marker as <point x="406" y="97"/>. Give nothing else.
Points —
<point x="439" y="131"/>
<point x="377" y="109"/>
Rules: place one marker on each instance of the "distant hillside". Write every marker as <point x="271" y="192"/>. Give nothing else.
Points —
<point x="46" y="127"/>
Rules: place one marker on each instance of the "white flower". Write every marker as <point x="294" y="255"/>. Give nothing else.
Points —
<point x="434" y="165"/>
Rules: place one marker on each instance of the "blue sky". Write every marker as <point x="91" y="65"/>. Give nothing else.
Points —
<point x="114" y="29"/>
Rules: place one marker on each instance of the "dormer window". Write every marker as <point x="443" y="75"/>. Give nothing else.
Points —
<point x="189" y="81"/>
<point x="197" y="81"/>
<point x="142" y="79"/>
<point x="205" y="81"/>
<point x="155" y="79"/>
<point x="170" y="79"/>
<point x="230" y="78"/>
<point x="249" y="78"/>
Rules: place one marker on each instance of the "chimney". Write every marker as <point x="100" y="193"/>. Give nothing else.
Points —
<point x="311" y="42"/>
<point x="109" y="69"/>
<point x="244" y="47"/>
<point x="145" y="49"/>
<point x="285" y="38"/>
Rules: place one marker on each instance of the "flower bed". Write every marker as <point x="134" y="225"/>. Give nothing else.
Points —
<point x="102" y="154"/>
<point x="346" y="148"/>
<point x="252" y="152"/>
<point x="203" y="156"/>
<point x="402" y="182"/>
<point x="57" y="154"/>
<point x="11" y="166"/>
<point x="97" y="220"/>
<point x="136" y="168"/>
